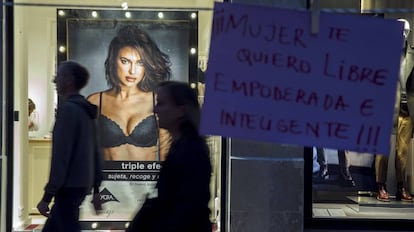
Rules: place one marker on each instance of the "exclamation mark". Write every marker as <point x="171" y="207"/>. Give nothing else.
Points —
<point x="370" y="133"/>
<point x="361" y="131"/>
<point x="377" y="132"/>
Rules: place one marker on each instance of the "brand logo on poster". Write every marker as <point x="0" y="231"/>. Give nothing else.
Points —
<point x="105" y="196"/>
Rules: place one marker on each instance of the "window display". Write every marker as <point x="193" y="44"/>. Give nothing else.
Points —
<point x="38" y="36"/>
<point x="127" y="55"/>
<point x="342" y="186"/>
<point x="403" y="126"/>
<point x="383" y="182"/>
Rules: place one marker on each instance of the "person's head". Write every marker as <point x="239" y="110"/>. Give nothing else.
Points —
<point x="32" y="106"/>
<point x="407" y="28"/>
<point x="133" y="57"/>
<point x="177" y="108"/>
<point x="70" y="78"/>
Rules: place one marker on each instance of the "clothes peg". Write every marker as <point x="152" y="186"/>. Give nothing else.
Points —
<point x="315" y="17"/>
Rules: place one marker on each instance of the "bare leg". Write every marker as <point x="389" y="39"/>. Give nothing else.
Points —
<point x="344" y="168"/>
<point x="321" y="158"/>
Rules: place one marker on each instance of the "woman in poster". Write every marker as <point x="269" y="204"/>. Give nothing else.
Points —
<point x="133" y="67"/>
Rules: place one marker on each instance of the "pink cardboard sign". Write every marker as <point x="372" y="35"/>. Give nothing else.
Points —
<point x="270" y="79"/>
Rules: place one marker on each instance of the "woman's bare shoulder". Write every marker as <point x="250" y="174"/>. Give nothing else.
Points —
<point x="94" y="98"/>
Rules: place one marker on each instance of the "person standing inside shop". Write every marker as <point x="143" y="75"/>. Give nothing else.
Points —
<point x="133" y="67"/>
<point x="180" y="200"/>
<point x="76" y="165"/>
<point x="403" y="126"/>
<point x="344" y="165"/>
<point x="33" y="116"/>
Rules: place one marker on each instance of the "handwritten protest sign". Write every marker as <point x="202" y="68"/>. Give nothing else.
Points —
<point x="270" y="79"/>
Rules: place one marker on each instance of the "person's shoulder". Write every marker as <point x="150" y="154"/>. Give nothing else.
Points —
<point x="67" y="108"/>
<point x="94" y="98"/>
<point x="195" y="143"/>
<point x="193" y="138"/>
<point x="94" y="95"/>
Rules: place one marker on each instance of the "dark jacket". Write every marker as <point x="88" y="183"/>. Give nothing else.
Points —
<point x="183" y="192"/>
<point x="76" y="158"/>
<point x="184" y="187"/>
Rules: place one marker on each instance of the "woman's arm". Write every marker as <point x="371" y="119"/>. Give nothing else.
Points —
<point x="165" y="143"/>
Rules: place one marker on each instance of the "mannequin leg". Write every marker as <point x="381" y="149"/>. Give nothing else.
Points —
<point x="401" y="157"/>
<point x="381" y="169"/>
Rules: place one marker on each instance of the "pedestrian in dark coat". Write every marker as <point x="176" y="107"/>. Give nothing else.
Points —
<point x="76" y="165"/>
<point x="180" y="203"/>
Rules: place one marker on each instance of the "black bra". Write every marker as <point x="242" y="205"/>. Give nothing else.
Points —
<point x="145" y="133"/>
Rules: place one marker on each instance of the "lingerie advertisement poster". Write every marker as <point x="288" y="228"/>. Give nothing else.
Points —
<point x="126" y="55"/>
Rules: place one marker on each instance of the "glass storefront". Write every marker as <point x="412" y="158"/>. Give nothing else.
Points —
<point x="48" y="32"/>
<point x="351" y="188"/>
<point x="340" y="186"/>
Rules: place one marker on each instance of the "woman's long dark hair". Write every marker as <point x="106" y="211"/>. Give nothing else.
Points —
<point x="156" y="63"/>
<point x="183" y="95"/>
